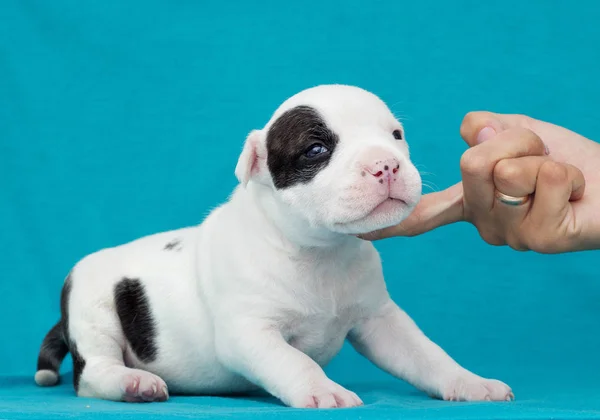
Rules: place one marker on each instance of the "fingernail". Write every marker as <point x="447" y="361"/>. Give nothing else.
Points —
<point x="486" y="133"/>
<point x="546" y="149"/>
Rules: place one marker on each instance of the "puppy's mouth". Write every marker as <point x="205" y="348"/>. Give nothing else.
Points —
<point x="388" y="205"/>
<point x="385" y="206"/>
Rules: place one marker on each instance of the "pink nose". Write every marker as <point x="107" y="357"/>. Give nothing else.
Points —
<point x="383" y="169"/>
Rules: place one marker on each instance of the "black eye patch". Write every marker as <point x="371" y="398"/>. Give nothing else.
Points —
<point x="299" y="145"/>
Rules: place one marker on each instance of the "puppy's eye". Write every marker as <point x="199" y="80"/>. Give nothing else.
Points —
<point x="315" y="150"/>
<point x="397" y="134"/>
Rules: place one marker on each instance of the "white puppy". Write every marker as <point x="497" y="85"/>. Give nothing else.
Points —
<point x="265" y="291"/>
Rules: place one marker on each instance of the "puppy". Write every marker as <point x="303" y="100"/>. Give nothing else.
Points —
<point x="264" y="292"/>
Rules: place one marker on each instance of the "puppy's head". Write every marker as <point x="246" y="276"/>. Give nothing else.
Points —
<point x="337" y="157"/>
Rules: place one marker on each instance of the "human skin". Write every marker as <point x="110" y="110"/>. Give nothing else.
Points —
<point x="518" y="156"/>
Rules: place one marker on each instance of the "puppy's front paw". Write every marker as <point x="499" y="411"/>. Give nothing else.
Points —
<point x="326" y="395"/>
<point x="470" y="387"/>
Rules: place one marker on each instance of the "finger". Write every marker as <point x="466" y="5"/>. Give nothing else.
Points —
<point x="477" y="165"/>
<point x="518" y="177"/>
<point x="474" y="122"/>
<point x="557" y="184"/>
<point x="434" y="210"/>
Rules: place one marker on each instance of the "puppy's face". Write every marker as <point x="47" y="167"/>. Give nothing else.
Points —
<point x="336" y="156"/>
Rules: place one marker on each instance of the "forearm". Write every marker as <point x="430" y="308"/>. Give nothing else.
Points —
<point x="260" y="354"/>
<point x="394" y="343"/>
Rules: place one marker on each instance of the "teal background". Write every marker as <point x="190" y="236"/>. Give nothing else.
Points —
<point x="120" y="119"/>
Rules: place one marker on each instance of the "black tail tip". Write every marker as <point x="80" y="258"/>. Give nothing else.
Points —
<point x="46" y="377"/>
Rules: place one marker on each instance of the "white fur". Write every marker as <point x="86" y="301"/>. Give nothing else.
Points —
<point x="46" y="377"/>
<point x="265" y="291"/>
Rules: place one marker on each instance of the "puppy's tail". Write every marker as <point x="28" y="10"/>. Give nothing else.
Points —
<point x="53" y="351"/>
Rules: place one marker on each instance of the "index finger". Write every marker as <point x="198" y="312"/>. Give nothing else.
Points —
<point x="434" y="210"/>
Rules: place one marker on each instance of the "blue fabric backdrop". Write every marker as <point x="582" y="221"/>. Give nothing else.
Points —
<point x="120" y="119"/>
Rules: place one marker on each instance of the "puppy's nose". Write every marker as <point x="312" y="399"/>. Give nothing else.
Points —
<point x="382" y="169"/>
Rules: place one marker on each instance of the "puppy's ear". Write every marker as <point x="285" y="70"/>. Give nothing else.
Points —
<point x="251" y="159"/>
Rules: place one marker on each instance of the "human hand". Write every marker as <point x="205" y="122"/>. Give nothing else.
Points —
<point x="508" y="154"/>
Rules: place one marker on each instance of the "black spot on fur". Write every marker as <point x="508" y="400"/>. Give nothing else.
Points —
<point x="175" y="244"/>
<point x="78" y="361"/>
<point x="289" y="138"/>
<point x="136" y="318"/>
<point x="78" y="365"/>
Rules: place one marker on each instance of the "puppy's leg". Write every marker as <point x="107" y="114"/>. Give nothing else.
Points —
<point x="109" y="379"/>
<point x="259" y="353"/>
<point x="392" y="341"/>
<point x="97" y="347"/>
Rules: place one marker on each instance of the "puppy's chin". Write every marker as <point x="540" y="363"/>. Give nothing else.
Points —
<point x="388" y="213"/>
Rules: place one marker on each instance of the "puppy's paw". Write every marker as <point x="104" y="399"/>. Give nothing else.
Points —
<point x="326" y="395"/>
<point x="470" y="387"/>
<point x="142" y="386"/>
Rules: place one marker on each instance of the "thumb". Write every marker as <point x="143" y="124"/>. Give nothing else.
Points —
<point x="479" y="126"/>
<point x="433" y="211"/>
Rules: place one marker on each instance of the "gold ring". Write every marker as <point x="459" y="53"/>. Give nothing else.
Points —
<point x="510" y="200"/>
